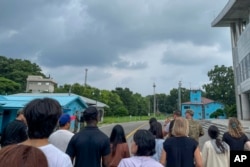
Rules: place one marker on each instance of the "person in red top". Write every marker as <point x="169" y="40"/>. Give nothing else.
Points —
<point x="119" y="146"/>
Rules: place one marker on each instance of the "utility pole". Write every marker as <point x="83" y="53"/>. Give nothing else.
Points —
<point x="86" y="74"/>
<point x="154" y="99"/>
<point x="179" y="96"/>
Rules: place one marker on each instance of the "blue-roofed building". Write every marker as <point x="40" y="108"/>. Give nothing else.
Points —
<point x="202" y="107"/>
<point x="9" y="105"/>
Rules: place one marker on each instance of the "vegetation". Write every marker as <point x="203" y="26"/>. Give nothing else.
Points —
<point x="122" y="101"/>
<point x="14" y="72"/>
<point x="222" y="88"/>
<point x="109" y="119"/>
<point x="217" y="113"/>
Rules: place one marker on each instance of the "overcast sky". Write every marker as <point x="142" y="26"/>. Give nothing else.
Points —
<point x="122" y="43"/>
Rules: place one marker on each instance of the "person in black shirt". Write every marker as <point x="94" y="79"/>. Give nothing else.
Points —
<point x="235" y="137"/>
<point x="16" y="131"/>
<point x="181" y="150"/>
<point x="90" y="146"/>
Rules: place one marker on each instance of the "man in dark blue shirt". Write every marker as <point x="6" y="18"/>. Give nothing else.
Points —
<point x="90" y="147"/>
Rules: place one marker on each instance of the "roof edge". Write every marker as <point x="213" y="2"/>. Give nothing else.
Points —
<point x="224" y="11"/>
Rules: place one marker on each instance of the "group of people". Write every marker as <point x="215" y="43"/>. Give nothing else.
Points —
<point x="32" y="140"/>
<point x="215" y="152"/>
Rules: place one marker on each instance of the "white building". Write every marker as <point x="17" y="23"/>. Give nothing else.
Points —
<point x="236" y="15"/>
<point x="36" y="84"/>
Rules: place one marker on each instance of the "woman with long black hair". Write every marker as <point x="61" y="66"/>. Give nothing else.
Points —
<point x="215" y="152"/>
<point x="119" y="146"/>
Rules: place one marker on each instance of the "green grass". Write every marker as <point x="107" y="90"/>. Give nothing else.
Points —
<point x="108" y="120"/>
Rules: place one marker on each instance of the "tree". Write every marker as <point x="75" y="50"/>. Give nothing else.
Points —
<point x="128" y="100"/>
<point x="18" y="70"/>
<point x="217" y="113"/>
<point x="8" y="86"/>
<point x="221" y="87"/>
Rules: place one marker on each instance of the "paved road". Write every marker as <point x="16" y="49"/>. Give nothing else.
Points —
<point x="132" y="126"/>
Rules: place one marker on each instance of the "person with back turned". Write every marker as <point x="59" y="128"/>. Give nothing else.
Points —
<point x="195" y="128"/>
<point x="90" y="147"/>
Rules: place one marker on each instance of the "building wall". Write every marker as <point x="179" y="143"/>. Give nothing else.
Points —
<point x="197" y="108"/>
<point x="241" y="58"/>
<point x="212" y="107"/>
<point x="40" y="86"/>
<point x="71" y="109"/>
<point x="195" y="96"/>
<point x="7" y="114"/>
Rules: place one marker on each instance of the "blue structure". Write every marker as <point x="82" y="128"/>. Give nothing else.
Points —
<point x="9" y="105"/>
<point x="202" y="107"/>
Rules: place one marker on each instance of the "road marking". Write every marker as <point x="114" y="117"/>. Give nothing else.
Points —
<point x="131" y="133"/>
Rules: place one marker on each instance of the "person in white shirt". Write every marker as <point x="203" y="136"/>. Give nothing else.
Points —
<point x="215" y="152"/>
<point x="62" y="136"/>
<point x="42" y="116"/>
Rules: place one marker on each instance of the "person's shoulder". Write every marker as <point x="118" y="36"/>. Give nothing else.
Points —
<point x="226" y="134"/>
<point x="192" y="140"/>
<point x="102" y="134"/>
<point x="126" y="162"/>
<point x="54" y="149"/>
<point x="169" y="140"/>
<point x="156" y="163"/>
<point x="207" y="143"/>
<point x="66" y="132"/>
<point x="56" y="156"/>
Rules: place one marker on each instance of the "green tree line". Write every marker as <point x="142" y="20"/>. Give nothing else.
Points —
<point x="123" y="101"/>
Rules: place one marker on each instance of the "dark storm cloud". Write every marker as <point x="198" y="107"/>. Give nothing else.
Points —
<point x="94" y="32"/>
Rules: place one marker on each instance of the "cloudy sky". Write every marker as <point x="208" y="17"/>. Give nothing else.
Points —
<point x="122" y="43"/>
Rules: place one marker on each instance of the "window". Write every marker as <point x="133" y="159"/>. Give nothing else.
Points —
<point x="47" y="83"/>
<point x="39" y="83"/>
<point x="186" y="107"/>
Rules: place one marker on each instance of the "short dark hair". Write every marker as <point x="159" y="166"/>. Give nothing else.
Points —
<point x="213" y="132"/>
<point x="151" y="120"/>
<point x="177" y="113"/>
<point x="90" y="114"/>
<point x="42" y="116"/>
<point x="145" y="142"/>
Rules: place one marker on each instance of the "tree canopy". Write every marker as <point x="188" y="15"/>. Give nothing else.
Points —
<point x="17" y="70"/>
<point x="221" y="88"/>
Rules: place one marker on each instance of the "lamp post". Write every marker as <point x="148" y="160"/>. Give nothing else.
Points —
<point x="154" y="99"/>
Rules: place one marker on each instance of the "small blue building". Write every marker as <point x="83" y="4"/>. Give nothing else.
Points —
<point x="9" y="105"/>
<point x="202" y="107"/>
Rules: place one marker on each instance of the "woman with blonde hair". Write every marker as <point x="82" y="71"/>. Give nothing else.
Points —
<point x="235" y="137"/>
<point x="181" y="150"/>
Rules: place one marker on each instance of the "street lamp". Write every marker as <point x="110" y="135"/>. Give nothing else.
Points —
<point x="154" y="99"/>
